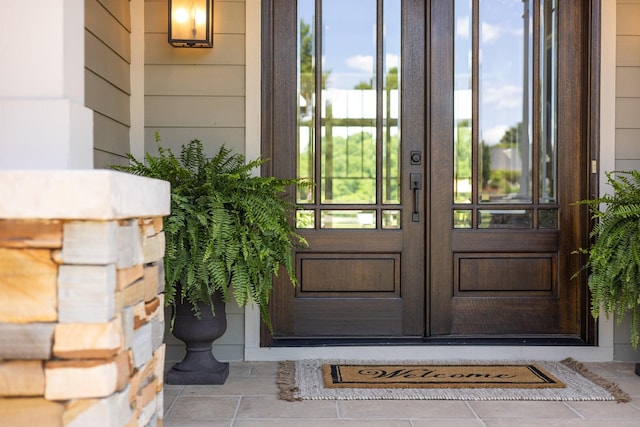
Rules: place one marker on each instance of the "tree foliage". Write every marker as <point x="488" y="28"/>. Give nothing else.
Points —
<point x="390" y="82"/>
<point x="228" y="231"/>
<point x="353" y="167"/>
<point x="614" y="256"/>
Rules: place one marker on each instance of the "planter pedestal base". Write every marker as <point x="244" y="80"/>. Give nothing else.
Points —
<point x="638" y="369"/>
<point x="198" y="367"/>
<point x="175" y="376"/>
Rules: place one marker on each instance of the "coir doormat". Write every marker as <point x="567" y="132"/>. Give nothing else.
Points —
<point x="461" y="380"/>
<point x="438" y="376"/>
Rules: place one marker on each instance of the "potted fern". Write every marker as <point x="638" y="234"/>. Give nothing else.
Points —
<point x="614" y="255"/>
<point x="227" y="235"/>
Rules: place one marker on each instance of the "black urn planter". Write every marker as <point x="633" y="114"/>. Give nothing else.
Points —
<point x="638" y="369"/>
<point x="199" y="366"/>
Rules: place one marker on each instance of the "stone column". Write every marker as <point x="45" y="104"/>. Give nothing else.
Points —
<point x="81" y="299"/>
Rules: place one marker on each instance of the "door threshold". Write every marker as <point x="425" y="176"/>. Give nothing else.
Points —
<point x="430" y="341"/>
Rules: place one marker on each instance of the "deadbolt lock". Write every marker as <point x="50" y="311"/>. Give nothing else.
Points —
<point x="416" y="157"/>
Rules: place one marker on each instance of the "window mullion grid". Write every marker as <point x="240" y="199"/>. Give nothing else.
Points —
<point x="379" y="78"/>
<point x="536" y="72"/>
<point x="475" y="109"/>
<point x="317" y="38"/>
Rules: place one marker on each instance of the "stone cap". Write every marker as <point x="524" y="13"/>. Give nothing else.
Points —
<point x="81" y="194"/>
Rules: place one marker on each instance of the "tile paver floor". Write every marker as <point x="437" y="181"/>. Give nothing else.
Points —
<point x="249" y="399"/>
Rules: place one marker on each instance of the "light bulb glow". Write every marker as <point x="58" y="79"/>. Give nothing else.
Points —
<point x="201" y="17"/>
<point x="181" y="15"/>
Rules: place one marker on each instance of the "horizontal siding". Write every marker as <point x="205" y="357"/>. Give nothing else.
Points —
<point x="104" y="62"/>
<point x="194" y="111"/>
<point x="106" y="99"/>
<point x="229" y="50"/>
<point x="627" y="48"/>
<point x="221" y="80"/>
<point x="107" y="78"/>
<point x="101" y="23"/>
<point x="627" y="143"/>
<point x="104" y="160"/>
<point x="628" y="19"/>
<point x="212" y="139"/>
<point x="113" y="136"/>
<point x="119" y="10"/>
<point x="627" y="113"/>
<point x="628" y="81"/>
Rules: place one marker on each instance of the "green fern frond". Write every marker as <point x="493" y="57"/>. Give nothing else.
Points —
<point x="228" y="231"/>
<point x="614" y="256"/>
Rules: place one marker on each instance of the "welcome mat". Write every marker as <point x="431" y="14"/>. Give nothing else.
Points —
<point x="438" y="376"/>
<point x="548" y="380"/>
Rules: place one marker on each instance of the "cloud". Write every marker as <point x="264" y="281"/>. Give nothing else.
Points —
<point x="502" y="97"/>
<point x="493" y="135"/>
<point x="364" y="63"/>
<point x="462" y="27"/>
<point x="490" y="33"/>
<point x="392" y="60"/>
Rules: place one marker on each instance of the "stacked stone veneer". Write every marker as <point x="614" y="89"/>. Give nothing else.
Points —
<point x="81" y="306"/>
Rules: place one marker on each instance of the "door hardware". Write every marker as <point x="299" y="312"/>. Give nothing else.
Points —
<point x="416" y="157"/>
<point x="415" y="184"/>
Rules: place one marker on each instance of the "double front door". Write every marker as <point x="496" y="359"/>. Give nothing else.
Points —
<point x="444" y="143"/>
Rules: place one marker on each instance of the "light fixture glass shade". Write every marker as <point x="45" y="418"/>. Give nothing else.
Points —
<point x="191" y="23"/>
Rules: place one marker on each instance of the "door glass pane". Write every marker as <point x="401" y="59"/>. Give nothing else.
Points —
<point x="305" y="218"/>
<point x="463" y="104"/>
<point x="348" y="219"/>
<point x="462" y="218"/>
<point x="391" y="219"/>
<point x="349" y="102"/>
<point x="505" y="87"/>
<point x="548" y="101"/>
<point x="505" y="219"/>
<point x="306" y="97"/>
<point x="548" y="218"/>
<point x="391" y="103"/>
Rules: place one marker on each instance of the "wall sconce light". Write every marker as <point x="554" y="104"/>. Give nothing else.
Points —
<point x="191" y="23"/>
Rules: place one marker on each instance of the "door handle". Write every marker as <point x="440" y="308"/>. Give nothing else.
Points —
<point x="415" y="184"/>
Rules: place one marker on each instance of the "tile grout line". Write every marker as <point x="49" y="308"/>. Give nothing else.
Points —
<point x="473" y="411"/>
<point x="235" y="413"/>
<point x="574" y="410"/>
<point x="175" y="399"/>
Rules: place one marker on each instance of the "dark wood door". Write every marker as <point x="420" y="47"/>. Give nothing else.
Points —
<point x="441" y="204"/>
<point x="501" y="246"/>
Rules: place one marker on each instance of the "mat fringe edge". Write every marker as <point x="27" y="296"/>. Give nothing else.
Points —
<point x="619" y="395"/>
<point x="286" y="381"/>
